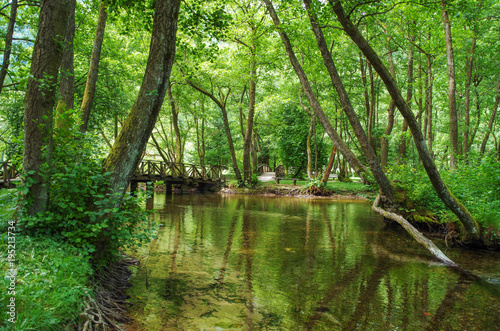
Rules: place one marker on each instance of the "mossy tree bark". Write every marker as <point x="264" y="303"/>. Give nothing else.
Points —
<point x="131" y="142"/>
<point x="313" y="101"/>
<point x="40" y="99"/>
<point x="470" y="226"/>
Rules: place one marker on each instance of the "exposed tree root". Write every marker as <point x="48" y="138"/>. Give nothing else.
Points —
<point x="419" y="237"/>
<point x="108" y="309"/>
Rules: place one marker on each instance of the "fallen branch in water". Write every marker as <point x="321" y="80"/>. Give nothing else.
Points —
<point x="417" y="235"/>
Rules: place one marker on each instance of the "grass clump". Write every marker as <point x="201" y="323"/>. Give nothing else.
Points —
<point x="51" y="280"/>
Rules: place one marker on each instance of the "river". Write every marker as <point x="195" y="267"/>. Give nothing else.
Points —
<point x="234" y="262"/>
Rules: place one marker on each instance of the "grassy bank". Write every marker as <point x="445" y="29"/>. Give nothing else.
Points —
<point x="52" y="279"/>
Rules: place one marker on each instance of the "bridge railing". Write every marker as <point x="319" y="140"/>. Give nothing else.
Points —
<point x="165" y="169"/>
<point x="8" y="172"/>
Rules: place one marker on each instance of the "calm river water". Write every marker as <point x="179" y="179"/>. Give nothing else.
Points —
<point x="232" y="262"/>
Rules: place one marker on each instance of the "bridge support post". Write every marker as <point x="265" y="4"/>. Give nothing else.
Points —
<point x="168" y="188"/>
<point x="133" y="187"/>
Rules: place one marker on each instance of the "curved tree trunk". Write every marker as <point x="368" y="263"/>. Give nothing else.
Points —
<point x="131" y="142"/>
<point x="471" y="228"/>
<point x="329" y="167"/>
<point x="40" y="99"/>
<point x="337" y="141"/>
<point x="88" y="94"/>
<point x="8" y="43"/>
<point x="364" y="141"/>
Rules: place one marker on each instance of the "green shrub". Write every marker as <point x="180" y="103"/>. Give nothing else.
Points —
<point x="81" y="211"/>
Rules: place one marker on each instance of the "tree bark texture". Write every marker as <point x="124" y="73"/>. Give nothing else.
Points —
<point x="492" y="117"/>
<point x="325" y="122"/>
<point x="452" y="102"/>
<point x="40" y="99"/>
<point x="90" y="86"/>
<point x="345" y="102"/>
<point x="8" y="43"/>
<point x="67" y="72"/>
<point x="131" y="142"/>
<point x="470" y="226"/>
<point x="409" y="93"/>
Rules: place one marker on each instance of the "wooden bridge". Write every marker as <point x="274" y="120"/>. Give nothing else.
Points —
<point x="187" y="175"/>
<point x="9" y="174"/>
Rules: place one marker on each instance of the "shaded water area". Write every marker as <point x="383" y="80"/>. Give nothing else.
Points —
<point x="230" y="262"/>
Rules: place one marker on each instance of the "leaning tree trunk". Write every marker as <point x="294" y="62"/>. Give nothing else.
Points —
<point x="472" y="231"/>
<point x="67" y="72"/>
<point x="131" y="142"/>
<point x="329" y="167"/>
<point x="325" y="122"/>
<point x="452" y="102"/>
<point x="40" y="100"/>
<point x="8" y="43"/>
<point x="88" y="94"/>
<point x="364" y="141"/>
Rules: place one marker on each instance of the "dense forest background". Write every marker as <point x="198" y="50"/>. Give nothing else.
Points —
<point x="236" y="98"/>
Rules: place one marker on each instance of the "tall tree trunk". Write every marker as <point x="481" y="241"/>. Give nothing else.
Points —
<point x="492" y="117"/>
<point x="247" y="171"/>
<point x="384" y="141"/>
<point x="337" y="141"/>
<point x="452" y="102"/>
<point x="40" y="99"/>
<point x="67" y="72"/>
<point x="175" y="124"/>
<point x="88" y="94"/>
<point x="131" y="142"/>
<point x="222" y="105"/>
<point x="345" y="102"/>
<point x="8" y="43"/>
<point x="472" y="231"/>
<point x="365" y="88"/>
<point x="468" y="80"/>
<point x="409" y="92"/>
<point x="428" y="103"/>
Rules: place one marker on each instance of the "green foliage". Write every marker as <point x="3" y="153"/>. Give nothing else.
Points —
<point x="476" y="183"/>
<point x="50" y="284"/>
<point x="81" y="211"/>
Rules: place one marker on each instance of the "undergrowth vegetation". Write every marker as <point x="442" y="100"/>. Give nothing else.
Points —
<point x="475" y="182"/>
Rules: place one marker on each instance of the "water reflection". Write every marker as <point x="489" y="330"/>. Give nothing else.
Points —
<point x="240" y="263"/>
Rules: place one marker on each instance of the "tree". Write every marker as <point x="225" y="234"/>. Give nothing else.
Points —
<point x="90" y="86"/>
<point x="315" y="105"/>
<point x="472" y="231"/>
<point x="131" y="142"/>
<point x="40" y="100"/>
<point x="8" y="43"/>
